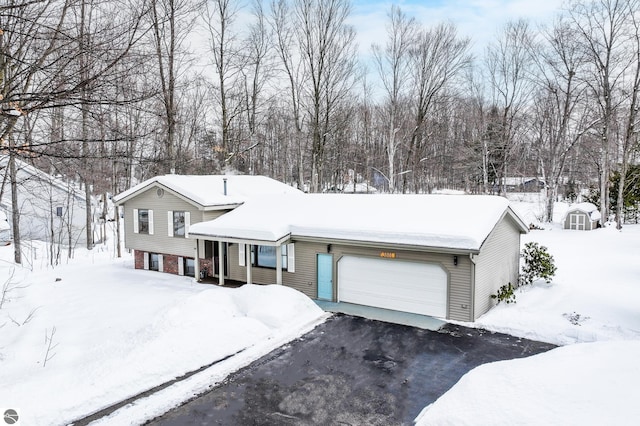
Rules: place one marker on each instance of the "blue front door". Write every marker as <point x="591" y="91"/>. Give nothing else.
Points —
<point x="325" y="276"/>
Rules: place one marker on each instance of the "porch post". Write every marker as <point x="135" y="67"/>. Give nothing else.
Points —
<point x="278" y="264"/>
<point x="220" y="264"/>
<point x="196" y="262"/>
<point x="247" y="252"/>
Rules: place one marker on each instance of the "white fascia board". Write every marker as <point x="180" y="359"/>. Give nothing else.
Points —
<point x="255" y="242"/>
<point x="229" y="206"/>
<point x="120" y="200"/>
<point x="384" y="245"/>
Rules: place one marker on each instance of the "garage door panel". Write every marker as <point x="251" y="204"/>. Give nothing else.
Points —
<point x="393" y="284"/>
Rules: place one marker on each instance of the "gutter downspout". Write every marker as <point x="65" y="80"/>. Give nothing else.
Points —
<point x="472" y="308"/>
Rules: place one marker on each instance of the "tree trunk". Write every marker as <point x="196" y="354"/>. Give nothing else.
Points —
<point x="15" y="207"/>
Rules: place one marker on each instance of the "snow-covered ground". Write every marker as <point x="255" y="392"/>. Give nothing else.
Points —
<point x="115" y="332"/>
<point x="592" y="308"/>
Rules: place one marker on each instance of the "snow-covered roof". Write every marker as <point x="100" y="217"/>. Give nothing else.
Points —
<point x="209" y="190"/>
<point x="460" y="222"/>
<point x="22" y="166"/>
<point x="588" y="208"/>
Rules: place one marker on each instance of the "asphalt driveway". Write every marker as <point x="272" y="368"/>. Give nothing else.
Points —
<point x="350" y="371"/>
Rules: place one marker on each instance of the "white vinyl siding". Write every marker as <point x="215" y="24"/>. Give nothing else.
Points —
<point x="496" y="265"/>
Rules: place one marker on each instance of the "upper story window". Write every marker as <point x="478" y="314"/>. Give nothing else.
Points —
<point x="143" y="221"/>
<point x="178" y="223"/>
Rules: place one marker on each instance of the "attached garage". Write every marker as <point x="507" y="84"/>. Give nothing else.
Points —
<point x="434" y="255"/>
<point x="419" y="288"/>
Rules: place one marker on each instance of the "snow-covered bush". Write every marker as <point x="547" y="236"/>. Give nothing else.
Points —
<point x="538" y="263"/>
<point x="505" y="294"/>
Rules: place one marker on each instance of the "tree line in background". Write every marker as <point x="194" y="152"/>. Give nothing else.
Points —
<point x="110" y="92"/>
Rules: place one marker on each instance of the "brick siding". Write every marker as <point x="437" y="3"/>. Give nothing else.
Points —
<point x="138" y="256"/>
<point x="169" y="262"/>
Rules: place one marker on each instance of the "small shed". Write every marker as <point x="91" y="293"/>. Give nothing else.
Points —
<point x="582" y="217"/>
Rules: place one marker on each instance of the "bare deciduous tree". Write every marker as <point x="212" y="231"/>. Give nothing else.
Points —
<point x="437" y="58"/>
<point x="560" y="113"/>
<point x="603" y="29"/>
<point x="327" y="47"/>
<point x="392" y="62"/>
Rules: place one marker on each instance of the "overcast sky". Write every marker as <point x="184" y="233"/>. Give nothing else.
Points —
<point x="478" y="19"/>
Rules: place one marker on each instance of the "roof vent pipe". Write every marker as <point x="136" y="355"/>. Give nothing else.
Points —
<point x="224" y="181"/>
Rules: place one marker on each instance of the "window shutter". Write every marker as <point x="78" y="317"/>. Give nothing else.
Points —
<point x="145" y="257"/>
<point x="180" y="266"/>
<point x="170" y="223"/>
<point x="242" y="258"/>
<point x="187" y="222"/>
<point x="136" y="226"/>
<point x="160" y="263"/>
<point x="150" y="222"/>
<point x="291" y="258"/>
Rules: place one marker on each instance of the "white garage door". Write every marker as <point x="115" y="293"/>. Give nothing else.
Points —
<point x="420" y="288"/>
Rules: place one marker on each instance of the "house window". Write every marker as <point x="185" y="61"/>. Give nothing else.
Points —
<point x="189" y="267"/>
<point x="265" y="256"/>
<point x="154" y="261"/>
<point x="59" y="211"/>
<point x="178" y="224"/>
<point x="143" y="221"/>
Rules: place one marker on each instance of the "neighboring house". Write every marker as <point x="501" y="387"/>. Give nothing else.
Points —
<point x="5" y="230"/>
<point x="353" y="188"/>
<point x="523" y="183"/>
<point x="582" y="217"/>
<point x="50" y="209"/>
<point x="159" y="212"/>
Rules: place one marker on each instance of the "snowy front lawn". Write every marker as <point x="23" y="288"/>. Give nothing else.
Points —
<point x="83" y="336"/>
<point x="593" y="307"/>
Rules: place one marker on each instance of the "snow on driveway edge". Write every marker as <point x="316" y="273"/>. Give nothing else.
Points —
<point x="159" y="403"/>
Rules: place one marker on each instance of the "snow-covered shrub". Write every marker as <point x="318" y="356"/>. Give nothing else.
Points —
<point x="505" y="294"/>
<point x="538" y="263"/>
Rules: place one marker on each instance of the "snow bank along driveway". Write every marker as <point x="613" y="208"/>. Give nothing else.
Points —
<point x="115" y="332"/>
